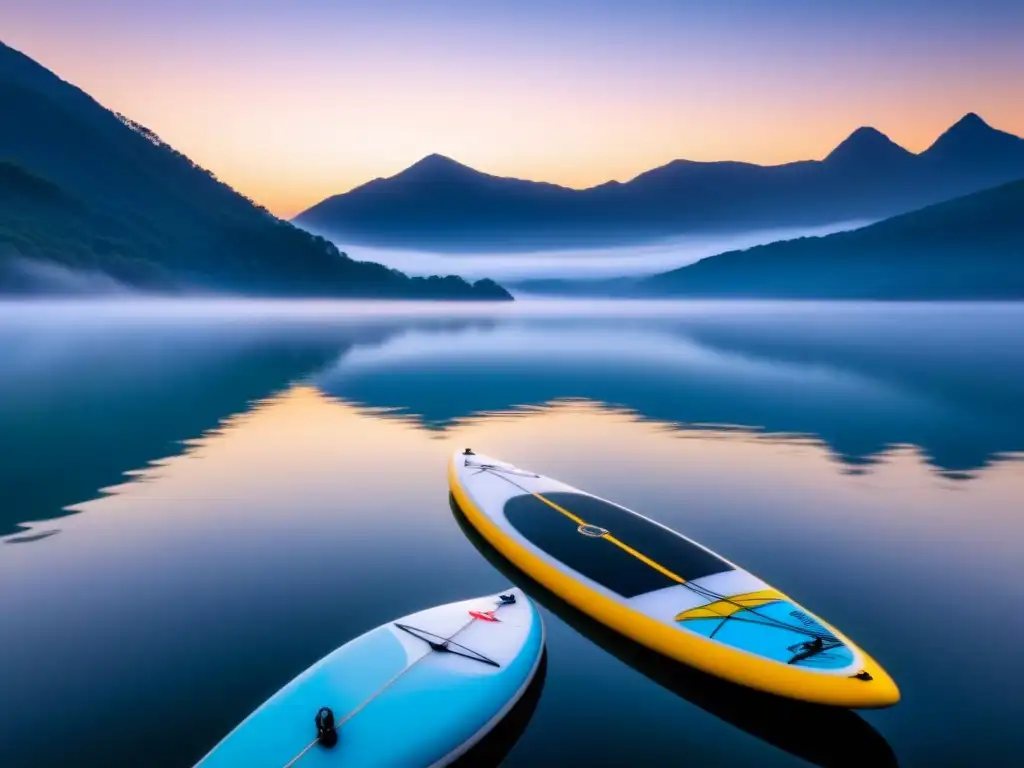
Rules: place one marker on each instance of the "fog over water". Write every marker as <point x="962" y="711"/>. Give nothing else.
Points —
<point x="585" y="262"/>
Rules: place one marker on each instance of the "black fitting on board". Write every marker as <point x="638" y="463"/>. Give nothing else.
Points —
<point x="468" y="452"/>
<point x="326" y="732"/>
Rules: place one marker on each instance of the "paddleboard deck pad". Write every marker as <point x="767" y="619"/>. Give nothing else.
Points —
<point x="417" y="691"/>
<point x="662" y="589"/>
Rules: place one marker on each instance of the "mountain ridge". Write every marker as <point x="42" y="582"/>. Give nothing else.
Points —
<point x="866" y="176"/>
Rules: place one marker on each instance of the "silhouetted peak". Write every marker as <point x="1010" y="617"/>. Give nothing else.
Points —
<point x="868" y="134"/>
<point x="969" y="127"/>
<point x="435" y="160"/>
<point x="684" y="171"/>
<point x="610" y="184"/>
<point x="971" y="137"/>
<point x="867" y="144"/>
<point x="971" y="121"/>
<point x="434" y="166"/>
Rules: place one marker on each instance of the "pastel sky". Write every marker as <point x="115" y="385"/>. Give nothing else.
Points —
<point x="293" y="101"/>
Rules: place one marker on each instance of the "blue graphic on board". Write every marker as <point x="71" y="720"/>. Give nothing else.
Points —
<point x="777" y="630"/>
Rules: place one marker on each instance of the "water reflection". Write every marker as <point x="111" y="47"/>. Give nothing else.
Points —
<point x="81" y="405"/>
<point x="863" y="392"/>
<point x="73" y="422"/>
<point x="495" y="746"/>
<point x="87" y="397"/>
<point x="823" y="736"/>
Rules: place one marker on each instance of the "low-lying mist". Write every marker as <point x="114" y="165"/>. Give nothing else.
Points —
<point x="589" y="262"/>
<point x="24" y="275"/>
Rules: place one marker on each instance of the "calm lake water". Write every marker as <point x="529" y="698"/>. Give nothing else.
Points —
<point x="200" y="500"/>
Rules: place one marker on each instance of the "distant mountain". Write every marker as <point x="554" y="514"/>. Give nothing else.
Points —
<point x="971" y="247"/>
<point x="869" y="148"/>
<point x="429" y="201"/>
<point x="440" y="204"/>
<point x="91" y="200"/>
<point x="972" y="145"/>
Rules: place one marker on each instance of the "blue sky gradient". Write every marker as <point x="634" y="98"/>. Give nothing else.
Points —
<point x="292" y="101"/>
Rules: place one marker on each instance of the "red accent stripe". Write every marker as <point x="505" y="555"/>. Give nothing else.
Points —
<point x="484" y="615"/>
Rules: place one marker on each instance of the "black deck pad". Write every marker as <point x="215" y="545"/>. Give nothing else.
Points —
<point x="599" y="559"/>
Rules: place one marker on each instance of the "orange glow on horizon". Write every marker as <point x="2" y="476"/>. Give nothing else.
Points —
<point x="291" y="126"/>
<point x="287" y="191"/>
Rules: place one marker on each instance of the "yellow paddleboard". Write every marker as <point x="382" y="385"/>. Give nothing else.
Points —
<point x="663" y="590"/>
